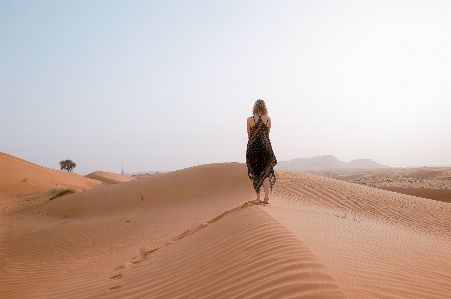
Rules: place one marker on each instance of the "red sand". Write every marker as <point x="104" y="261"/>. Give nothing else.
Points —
<point x="192" y="234"/>
<point x="18" y="175"/>
<point x="435" y="194"/>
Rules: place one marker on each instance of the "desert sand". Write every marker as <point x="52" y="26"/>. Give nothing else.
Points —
<point x="192" y="233"/>
<point x="426" y="182"/>
<point x="27" y="183"/>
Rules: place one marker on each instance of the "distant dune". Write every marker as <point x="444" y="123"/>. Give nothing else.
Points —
<point x="26" y="177"/>
<point x="435" y="194"/>
<point x="426" y="182"/>
<point x="326" y="162"/>
<point x="108" y="177"/>
<point x="193" y="233"/>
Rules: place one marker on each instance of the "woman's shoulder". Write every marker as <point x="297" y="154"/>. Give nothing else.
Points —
<point x="256" y="116"/>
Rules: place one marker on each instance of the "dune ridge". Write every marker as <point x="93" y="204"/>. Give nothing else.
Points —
<point x="243" y="255"/>
<point x="96" y="230"/>
<point x="221" y="181"/>
<point x="24" y="184"/>
<point x="26" y="177"/>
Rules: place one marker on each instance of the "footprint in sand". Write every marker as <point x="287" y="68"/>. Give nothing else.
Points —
<point x="116" y="276"/>
<point x="124" y="266"/>
<point x="115" y="288"/>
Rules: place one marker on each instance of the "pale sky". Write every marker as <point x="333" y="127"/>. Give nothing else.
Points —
<point x="164" y="85"/>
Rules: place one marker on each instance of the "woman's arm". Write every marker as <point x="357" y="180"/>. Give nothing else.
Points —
<point x="248" y="129"/>
<point x="269" y="124"/>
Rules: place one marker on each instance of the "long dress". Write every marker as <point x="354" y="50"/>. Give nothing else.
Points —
<point x="260" y="158"/>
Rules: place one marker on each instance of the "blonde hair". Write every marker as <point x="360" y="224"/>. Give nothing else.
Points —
<point x="260" y="108"/>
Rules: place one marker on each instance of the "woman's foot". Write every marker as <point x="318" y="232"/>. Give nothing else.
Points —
<point x="257" y="201"/>
<point x="266" y="201"/>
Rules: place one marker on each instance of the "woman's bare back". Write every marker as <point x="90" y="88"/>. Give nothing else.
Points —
<point x="252" y="120"/>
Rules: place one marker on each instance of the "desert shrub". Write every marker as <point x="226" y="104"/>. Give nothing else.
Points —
<point x="68" y="165"/>
<point x="24" y="180"/>
<point x="61" y="191"/>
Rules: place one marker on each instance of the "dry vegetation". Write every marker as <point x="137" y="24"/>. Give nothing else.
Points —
<point x="61" y="191"/>
<point x="442" y="181"/>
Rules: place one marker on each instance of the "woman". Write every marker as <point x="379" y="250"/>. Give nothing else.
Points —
<point x="260" y="158"/>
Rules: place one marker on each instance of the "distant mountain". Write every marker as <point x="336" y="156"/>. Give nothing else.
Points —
<point x="326" y="162"/>
<point x="366" y="163"/>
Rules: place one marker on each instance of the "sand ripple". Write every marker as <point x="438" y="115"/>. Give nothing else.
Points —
<point x="375" y="243"/>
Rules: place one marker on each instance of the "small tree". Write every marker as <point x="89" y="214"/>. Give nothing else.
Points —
<point x="67" y="165"/>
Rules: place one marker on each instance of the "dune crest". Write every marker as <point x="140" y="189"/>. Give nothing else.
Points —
<point x="246" y="254"/>
<point x="86" y="235"/>
<point x="24" y="184"/>
<point x="22" y="176"/>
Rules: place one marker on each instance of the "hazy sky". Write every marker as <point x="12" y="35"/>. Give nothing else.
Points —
<point x="163" y="85"/>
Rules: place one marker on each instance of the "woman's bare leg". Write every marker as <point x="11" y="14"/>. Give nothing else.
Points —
<point x="266" y="188"/>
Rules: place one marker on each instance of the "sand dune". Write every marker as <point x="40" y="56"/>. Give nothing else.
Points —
<point x="431" y="183"/>
<point x="24" y="184"/>
<point x="22" y="176"/>
<point x="192" y="234"/>
<point x="86" y="235"/>
<point x="375" y="243"/>
<point x="244" y="255"/>
<point x="435" y="194"/>
<point x="109" y="177"/>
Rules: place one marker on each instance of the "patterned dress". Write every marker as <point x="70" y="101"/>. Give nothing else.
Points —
<point x="260" y="158"/>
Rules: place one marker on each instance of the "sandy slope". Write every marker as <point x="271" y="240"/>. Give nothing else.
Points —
<point x="29" y="184"/>
<point x="109" y="177"/>
<point x="192" y="234"/>
<point x="85" y="236"/>
<point x="247" y="254"/>
<point x="375" y="243"/>
<point x="18" y="175"/>
<point x="435" y="194"/>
